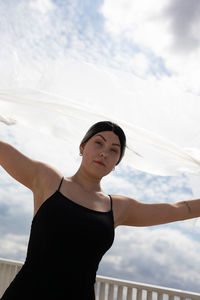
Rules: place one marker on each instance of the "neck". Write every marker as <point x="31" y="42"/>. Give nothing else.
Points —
<point x="87" y="182"/>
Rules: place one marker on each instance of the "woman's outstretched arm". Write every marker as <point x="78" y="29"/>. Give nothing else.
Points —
<point x="19" y="166"/>
<point x="137" y="213"/>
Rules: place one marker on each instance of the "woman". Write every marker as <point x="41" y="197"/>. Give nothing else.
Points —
<point x="74" y="220"/>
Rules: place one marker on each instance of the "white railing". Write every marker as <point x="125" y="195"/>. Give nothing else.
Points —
<point x="107" y="288"/>
<point x="114" y="289"/>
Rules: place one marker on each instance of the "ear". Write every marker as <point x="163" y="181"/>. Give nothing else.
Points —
<point x="81" y="148"/>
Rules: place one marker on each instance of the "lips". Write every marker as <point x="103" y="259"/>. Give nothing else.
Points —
<point x="99" y="162"/>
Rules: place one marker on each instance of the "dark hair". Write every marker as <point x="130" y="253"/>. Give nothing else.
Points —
<point x="107" y="126"/>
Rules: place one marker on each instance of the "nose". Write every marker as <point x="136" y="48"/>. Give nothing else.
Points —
<point x="102" y="154"/>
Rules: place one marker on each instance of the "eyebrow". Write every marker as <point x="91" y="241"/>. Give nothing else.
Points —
<point x="106" y="140"/>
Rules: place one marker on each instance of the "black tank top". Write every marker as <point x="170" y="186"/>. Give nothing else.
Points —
<point x="67" y="242"/>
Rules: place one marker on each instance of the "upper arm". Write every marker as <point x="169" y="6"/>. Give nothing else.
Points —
<point x="18" y="165"/>
<point x="137" y="213"/>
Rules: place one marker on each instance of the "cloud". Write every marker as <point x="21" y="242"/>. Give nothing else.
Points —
<point x="166" y="30"/>
<point x="155" y="24"/>
<point x="156" y="256"/>
<point x="185" y="24"/>
<point x="42" y="6"/>
<point x="144" y="37"/>
<point x="12" y="245"/>
<point x="137" y="20"/>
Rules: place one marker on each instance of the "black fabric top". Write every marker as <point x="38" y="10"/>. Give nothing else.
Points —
<point x="67" y="242"/>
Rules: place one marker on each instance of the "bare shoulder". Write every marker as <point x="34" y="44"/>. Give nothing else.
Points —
<point x="47" y="175"/>
<point x="121" y="206"/>
<point x="46" y="183"/>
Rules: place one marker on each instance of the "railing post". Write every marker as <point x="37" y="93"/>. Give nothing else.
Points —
<point x="95" y="288"/>
<point x="110" y="291"/>
<point x="129" y="293"/>
<point x="139" y="294"/>
<point x="160" y="296"/>
<point x="119" y="292"/>
<point x="102" y="291"/>
<point x="149" y="295"/>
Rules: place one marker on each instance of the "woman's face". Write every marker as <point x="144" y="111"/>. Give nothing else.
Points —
<point x="101" y="153"/>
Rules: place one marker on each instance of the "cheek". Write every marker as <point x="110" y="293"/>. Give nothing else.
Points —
<point x="89" y="155"/>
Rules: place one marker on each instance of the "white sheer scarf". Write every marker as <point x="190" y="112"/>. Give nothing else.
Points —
<point x="162" y="126"/>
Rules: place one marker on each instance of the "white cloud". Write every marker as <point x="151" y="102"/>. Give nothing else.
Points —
<point x="184" y="24"/>
<point x="144" y="37"/>
<point x="159" y="256"/>
<point x="43" y="6"/>
<point x="12" y="245"/>
<point x="169" y="29"/>
<point x="138" y="21"/>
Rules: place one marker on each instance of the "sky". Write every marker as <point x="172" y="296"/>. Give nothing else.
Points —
<point x="155" y="45"/>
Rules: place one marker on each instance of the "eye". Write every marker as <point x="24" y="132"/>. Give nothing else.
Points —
<point x="97" y="142"/>
<point x="114" y="150"/>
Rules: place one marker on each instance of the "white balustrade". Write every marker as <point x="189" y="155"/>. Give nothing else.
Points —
<point x="107" y="288"/>
<point x="117" y="289"/>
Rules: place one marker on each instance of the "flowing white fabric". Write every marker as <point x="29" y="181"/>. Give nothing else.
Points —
<point x="162" y="134"/>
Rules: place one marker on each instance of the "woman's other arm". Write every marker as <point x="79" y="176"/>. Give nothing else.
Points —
<point x="18" y="165"/>
<point x="137" y="213"/>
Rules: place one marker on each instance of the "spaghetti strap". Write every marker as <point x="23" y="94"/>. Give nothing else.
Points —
<point x="110" y="202"/>
<point x="60" y="183"/>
